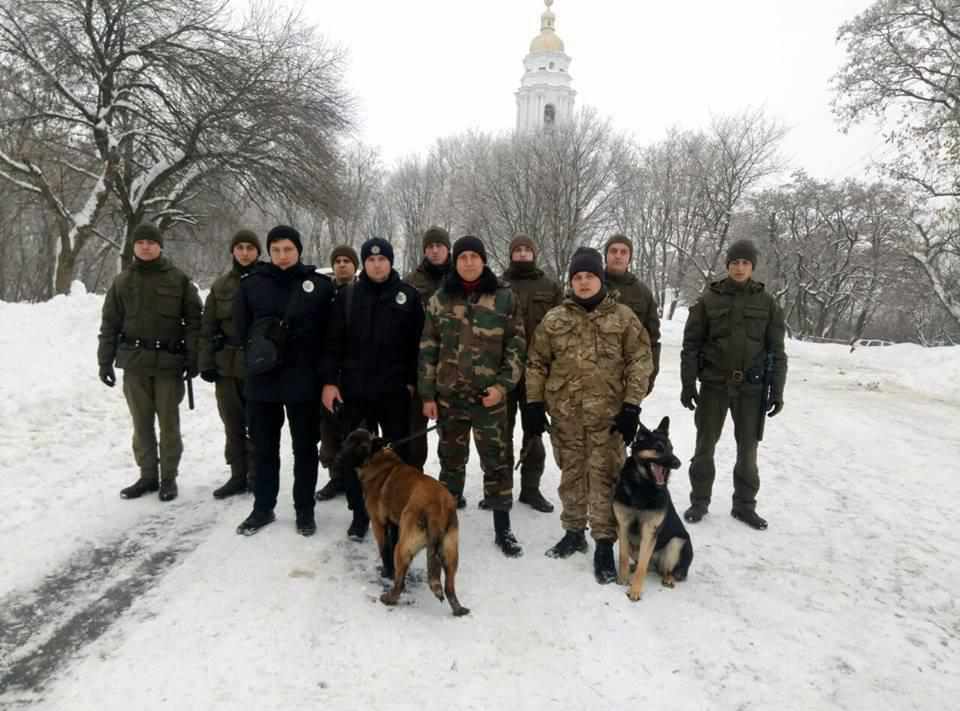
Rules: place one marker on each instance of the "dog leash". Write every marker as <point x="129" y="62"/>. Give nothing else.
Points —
<point x="402" y="440"/>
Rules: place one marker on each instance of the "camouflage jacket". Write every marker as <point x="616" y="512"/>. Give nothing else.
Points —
<point x="537" y="294"/>
<point x="151" y="320"/>
<point x="426" y="279"/>
<point x="219" y="348"/>
<point x="470" y="343"/>
<point x="632" y="292"/>
<point x="588" y="364"/>
<point x="730" y="329"/>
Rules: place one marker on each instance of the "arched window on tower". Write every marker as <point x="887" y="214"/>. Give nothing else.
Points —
<point x="549" y="115"/>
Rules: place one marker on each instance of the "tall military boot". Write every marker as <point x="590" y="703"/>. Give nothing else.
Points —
<point x="572" y="542"/>
<point x="749" y="517"/>
<point x="140" y="487"/>
<point x="234" y="485"/>
<point x="168" y="489"/>
<point x="535" y="500"/>
<point x="604" y="568"/>
<point x="696" y="512"/>
<point x="331" y="490"/>
<point x="504" y="539"/>
<point x="359" y="525"/>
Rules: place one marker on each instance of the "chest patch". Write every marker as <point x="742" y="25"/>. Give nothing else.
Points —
<point x="401" y="298"/>
<point x="308" y="286"/>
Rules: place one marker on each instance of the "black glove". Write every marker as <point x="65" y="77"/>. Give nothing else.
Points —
<point x="107" y="376"/>
<point x="626" y="422"/>
<point x="774" y="408"/>
<point x="688" y="397"/>
<point x="191" y="371"/>
<point x="210" y="375"/>
<point x="535" y="418"/>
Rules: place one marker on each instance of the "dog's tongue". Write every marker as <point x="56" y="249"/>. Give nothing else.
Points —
<point x="659" y="473"/>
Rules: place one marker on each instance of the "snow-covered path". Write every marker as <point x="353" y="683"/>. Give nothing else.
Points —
<point x="847" y="601"/>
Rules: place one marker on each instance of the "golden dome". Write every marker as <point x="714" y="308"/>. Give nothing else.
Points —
<point x="547" y="40"/>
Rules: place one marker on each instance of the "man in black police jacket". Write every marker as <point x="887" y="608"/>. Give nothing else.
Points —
<point x="293" y="301"/>
<point x="372" y="347"/>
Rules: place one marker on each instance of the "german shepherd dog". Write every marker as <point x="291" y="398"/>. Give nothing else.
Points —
<point x="649" y="528"/>
<point x="408" y="511"/>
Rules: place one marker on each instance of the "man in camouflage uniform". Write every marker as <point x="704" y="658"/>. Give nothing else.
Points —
<point x="732" y="330"/>
<point x="629" y="290"/>
<point x="345" y="263"/>
<point x="471" y="356"/>
<point x="537" y="294"/>
<point x="588" y="367"/>
<point x="150" y="325"/>
<point x="221" y="363"/>
<point x="426" y="279"/>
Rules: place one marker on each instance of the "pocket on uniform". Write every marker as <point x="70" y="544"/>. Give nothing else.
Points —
<point x="610" y="343"/>
<point x="755" y="321"/>
<point x="168" y="302"/>
<point x="718" y="322"/>
<point x="224" y="308"/>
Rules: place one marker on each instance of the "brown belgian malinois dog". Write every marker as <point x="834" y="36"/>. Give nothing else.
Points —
<point x="408" y="511"/>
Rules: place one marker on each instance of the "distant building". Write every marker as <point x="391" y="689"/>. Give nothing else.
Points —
<point x="546" y="95"/>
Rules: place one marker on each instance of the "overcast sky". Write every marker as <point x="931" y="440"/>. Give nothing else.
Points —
<point x="424" y="69"/>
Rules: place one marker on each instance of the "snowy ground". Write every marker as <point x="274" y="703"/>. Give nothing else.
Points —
<point x="846" y="602"/>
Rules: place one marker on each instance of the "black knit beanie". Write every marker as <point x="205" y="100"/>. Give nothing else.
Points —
<point x="285" y="232"/>
<point x="148" y="231"/>
<point x="586" y="259"/>
<point x="743" y="249"/>
<point x="469" y="243"/>
<point x="376" y="246"/>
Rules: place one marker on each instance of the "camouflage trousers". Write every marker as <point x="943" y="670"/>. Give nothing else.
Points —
<point x="494" y="446"/>
<point x="531" y="471"/>
<point x="155" y="398"/>
<point x="232" y="407"/>
<point x="590" y="459"/>
<point x="743" y="402"/>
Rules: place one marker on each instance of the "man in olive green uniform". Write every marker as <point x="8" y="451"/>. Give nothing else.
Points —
<point x="150" y="325"/>
<point x="537" y="294"/>
<point x="588" y="367"/>
<point x="471" y="356"/>
<point x="221" y="362"/>
<point x="629" y="290"/>
<point x="732" y="331"/>
<point x="345" y="263"/>
<point x="426" y="279"/>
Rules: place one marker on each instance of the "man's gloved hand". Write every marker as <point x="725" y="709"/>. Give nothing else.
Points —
<point x="688" y="397"/>
<point x="191" y="371"/>
<point x="774" y="408"/>
<point x="210" y="375"/>
<point x="107" y="376"/>
<point x="626" y="422"/>
<point x="535" y="416"/>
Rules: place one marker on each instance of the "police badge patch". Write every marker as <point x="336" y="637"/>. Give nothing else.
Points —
<point x="375" y="249"/>
<point x="401" y="298"/>
<point x="308" y="286"/>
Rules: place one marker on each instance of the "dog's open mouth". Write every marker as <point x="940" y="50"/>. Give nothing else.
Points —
<point x="659" y="473"/>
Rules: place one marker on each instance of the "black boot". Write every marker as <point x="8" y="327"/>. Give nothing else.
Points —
<point x="750" y="517"/>
<point x="234" y="485"/>
<point x="331" y="490"/>
<point x="168" y="490"/>
<point x="255" y="521"/>
<point x="604" y="569"/>
<point x="461" y="502"/>
<point x="306" y="523"/>
<point x="695" y="513"/>
<point x="572" y="542"/>
<point x="504" y="539"/>
<point x="359" y="525"/>
<point x="534" y="499"/>
<point x="138" y="488"/>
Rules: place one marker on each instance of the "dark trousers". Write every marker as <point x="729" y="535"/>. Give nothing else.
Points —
<point x="233" y="413"/>
<point x="743" y="403"/>
<point x="391" y="416"/>
<point x="417" y="447"/>
<point x="266" y="421"/>
<point x="535" y="456"/>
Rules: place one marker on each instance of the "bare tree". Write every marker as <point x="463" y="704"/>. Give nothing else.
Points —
<point x="159" y="98"/>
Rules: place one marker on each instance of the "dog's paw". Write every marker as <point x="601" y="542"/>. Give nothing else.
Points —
<point x="634" y="595"/>
<point x="623" y="579"/>
<point x="668" y="581"/>
<point x="388" y="599"/>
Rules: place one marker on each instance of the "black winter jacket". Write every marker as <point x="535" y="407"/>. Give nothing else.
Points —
<point x="374" y="353"/>
<point x="265" y="292"/>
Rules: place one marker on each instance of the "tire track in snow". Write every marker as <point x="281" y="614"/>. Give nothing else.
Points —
<point x="42" y="630"/>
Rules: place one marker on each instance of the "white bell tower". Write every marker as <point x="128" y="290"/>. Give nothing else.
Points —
<point x="546" y="95"/>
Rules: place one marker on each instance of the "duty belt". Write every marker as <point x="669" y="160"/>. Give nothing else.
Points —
<point x="155" y="344"/>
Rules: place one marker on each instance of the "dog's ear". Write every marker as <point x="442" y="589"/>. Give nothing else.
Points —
<point x="664" y="426"/>
<point x="642" y="429"/>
